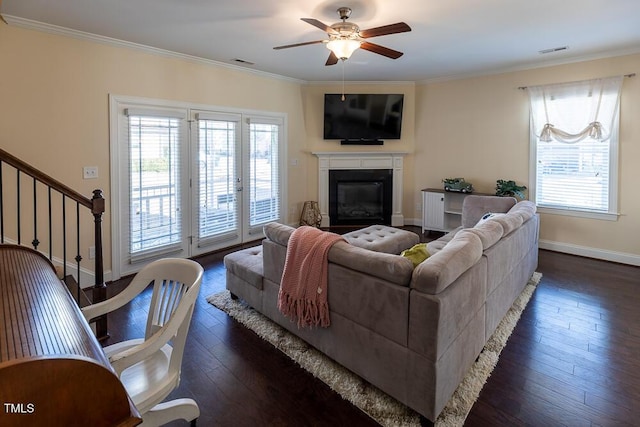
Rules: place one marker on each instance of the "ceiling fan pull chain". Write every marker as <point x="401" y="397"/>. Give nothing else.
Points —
<point x="343" y="81"/>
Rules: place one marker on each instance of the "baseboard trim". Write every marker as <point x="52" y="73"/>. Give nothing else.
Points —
<point x="413" y="221"/>
<point x="87" y="277"/>
<point x="603" y="254"/>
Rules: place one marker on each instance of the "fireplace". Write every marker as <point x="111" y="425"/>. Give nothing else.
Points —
<point x="360" y="196"/>
<point x="328" y="162"/>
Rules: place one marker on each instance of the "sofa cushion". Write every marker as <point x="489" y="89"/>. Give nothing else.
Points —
<point x="278" y="233"/>
<point x="509" y="222"/>
<point x="489" y="232"/>
<point x="475" y="206"/>
<point x="508" y="254"/>
<point x="525" y="208"/>
<point x="247" y="265"/>
<point x="437" y="245"/>
<point x="391" y="267"/>
<point x="381" y="238"/>
<point x="439" y="270"/>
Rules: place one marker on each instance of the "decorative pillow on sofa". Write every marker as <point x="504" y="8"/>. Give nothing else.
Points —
<point x="488" y="216"/>
<point x="416" y="254"/>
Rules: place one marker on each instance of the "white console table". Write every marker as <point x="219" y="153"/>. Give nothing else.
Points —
<point x="442" y="210"/>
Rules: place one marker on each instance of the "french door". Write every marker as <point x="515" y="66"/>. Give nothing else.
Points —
<point x="191" y="181"/>
<point x="237" y="178"/>
<point x="217" y="181"/>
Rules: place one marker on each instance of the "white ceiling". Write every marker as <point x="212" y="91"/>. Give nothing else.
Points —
<point x="449" y="38"/>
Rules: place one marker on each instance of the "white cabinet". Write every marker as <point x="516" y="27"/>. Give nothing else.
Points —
<point x="441" y="210"/>
<point x="432" y="211"/>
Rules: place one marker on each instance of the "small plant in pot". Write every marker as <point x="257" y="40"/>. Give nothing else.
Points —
<point x="510" y="188"/>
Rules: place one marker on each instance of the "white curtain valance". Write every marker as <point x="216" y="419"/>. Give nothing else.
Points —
<point x="558" y="111"/>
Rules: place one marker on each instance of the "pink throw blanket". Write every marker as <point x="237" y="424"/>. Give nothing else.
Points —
<point x="303" y="291"/>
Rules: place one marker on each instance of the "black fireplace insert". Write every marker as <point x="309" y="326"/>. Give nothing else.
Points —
<point x="360" y="196"/>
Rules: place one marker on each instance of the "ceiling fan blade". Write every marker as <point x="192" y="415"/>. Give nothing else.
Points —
<point x="381" y="50"/>
<point x="324" y="27"/>
<point x="332" y="60"/>
<point x="298" y="44"/>
<point x="399" y="27"/>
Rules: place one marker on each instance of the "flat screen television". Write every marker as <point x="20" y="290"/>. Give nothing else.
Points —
<point x="368" y="117"/>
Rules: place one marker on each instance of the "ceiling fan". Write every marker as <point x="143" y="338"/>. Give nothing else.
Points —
<point x="345" y="37"/>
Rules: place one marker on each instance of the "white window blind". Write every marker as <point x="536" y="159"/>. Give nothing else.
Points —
<point x="573" y="176"/>
<point x="264" y="172"/>
<point x="154" y="183"/>
<point x="574" y="138"/>
<point x="217" y="192"/>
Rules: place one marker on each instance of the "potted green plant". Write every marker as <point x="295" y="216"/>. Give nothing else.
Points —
<point x="509" y="188"/>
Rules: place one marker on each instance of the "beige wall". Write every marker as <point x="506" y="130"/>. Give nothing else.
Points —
<point x="54" y="114"/>
<point x="54" y="103"/>
<point x="478" y="128"/>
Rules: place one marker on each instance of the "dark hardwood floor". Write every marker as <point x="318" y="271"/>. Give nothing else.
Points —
<point x="573" y="359"/>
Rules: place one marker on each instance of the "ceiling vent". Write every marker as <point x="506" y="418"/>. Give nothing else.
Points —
<point x="242" y="61"/>
<point x="553" y="49"/>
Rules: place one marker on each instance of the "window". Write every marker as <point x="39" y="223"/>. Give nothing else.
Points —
<point x="154" y="173"/>
<point x="188" y="180"/>
<point x="153" y="185"/>
<point x="264" y="173"/>
<point x="217" y="184"/>
<point x="574" y="146"/>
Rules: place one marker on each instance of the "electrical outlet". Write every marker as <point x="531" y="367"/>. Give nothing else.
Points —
<point x="418" y="207"/>
<point x="92" y="252"/>
<point x="90" y="172"/>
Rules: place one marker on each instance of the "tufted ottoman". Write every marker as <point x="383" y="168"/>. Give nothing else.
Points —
<point x="245" y="274"/>
<point x="382" y="238"/>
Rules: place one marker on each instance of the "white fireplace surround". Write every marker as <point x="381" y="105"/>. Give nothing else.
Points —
<point x="360" y="160"/>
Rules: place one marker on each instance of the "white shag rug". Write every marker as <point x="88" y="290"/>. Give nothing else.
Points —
<point x="384" y="409"/>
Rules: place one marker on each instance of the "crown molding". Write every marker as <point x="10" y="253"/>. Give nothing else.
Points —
<point x="360" y="83"/>
<point x="81" y="35"/>
<point x="95" y="38"/>
<point x="527" y="67"/>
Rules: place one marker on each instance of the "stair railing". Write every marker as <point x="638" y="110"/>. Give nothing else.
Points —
<point x="21" y="214"/>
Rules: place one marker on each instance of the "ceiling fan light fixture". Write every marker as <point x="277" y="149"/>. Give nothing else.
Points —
<point x="343" y="48"/>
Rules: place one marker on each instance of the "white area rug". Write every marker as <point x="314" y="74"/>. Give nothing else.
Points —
<point x="384" y="409"/>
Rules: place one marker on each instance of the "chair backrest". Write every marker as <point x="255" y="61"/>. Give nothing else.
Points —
<point x="176" y="284"/>
<point x="172" y="279"/>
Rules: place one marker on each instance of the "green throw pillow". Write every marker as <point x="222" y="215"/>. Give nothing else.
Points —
<point x="416" y="254"/>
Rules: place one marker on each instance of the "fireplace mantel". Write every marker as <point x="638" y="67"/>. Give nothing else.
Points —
<point x="329" y="160"/>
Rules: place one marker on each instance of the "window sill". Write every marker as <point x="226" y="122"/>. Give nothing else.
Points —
<point x="612" y="216"/>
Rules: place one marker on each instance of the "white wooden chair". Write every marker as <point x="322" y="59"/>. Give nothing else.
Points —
<point x="149" y="367"/>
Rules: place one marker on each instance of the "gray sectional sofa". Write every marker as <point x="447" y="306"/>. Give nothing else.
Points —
<point x="413" y="333"/>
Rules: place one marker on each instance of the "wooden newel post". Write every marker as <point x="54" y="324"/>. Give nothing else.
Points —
<point x="100" y="288"/>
